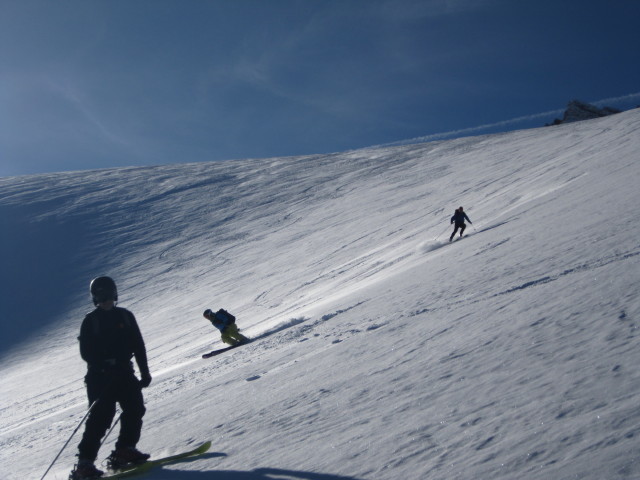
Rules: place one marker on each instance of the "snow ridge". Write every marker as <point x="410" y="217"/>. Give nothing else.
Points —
<point x="381" y="350"/>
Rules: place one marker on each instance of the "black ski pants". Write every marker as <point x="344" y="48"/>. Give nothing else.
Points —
<point x="460" y="226"/>
<point x="107" y="390"/>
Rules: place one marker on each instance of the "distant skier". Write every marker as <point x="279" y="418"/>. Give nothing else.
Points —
<point x="109" y="338"/>
<point x="226" y="323"/>
<point x="458" y="217"/>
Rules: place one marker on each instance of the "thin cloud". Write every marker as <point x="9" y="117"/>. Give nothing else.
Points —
<point x="618" y="100"/>
<point x="74" y="98"/>
<point x="506" y="123"/>
<point x="479" y="128"/>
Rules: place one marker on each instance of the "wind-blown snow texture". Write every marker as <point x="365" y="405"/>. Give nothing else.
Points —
<point x="382" y="351"/>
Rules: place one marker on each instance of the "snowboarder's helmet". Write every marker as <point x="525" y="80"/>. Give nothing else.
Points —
<point x="207" y="313"/>
<point x="103" y="289"/>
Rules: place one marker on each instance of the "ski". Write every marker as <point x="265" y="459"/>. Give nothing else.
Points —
<point x="149" y="464"/>
<point x="452" y="240"/>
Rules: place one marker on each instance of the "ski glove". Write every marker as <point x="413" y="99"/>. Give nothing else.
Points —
<point x="145" y="381"/>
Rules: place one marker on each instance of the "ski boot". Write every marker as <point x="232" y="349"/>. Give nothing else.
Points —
<point x="85" y="470"/>
<point x="126" y="457"/>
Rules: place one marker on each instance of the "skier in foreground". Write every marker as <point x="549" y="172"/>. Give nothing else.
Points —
<point x="109" y="338"/>
<point x="226" y="323"/>
<point x="458" y="217"/>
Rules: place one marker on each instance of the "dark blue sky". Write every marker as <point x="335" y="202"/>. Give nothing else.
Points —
<point x="92" y="84"/>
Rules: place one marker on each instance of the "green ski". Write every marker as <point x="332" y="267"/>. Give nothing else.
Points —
<point x="149" y="464"/>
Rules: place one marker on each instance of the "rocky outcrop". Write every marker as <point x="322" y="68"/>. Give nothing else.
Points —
<point x="577" y="111"/>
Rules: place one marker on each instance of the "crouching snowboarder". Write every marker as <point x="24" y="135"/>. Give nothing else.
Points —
<point x="459" y="217"/>
<point x="226" y="323"/>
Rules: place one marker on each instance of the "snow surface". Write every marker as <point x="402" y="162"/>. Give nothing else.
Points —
<point x="381" y="351"/>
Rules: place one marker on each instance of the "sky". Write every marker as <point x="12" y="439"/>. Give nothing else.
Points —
<point x="95" y="84"/>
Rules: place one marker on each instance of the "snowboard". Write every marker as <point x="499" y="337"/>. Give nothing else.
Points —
<point x="149" y="464"/>
<point x="213" y="353"/>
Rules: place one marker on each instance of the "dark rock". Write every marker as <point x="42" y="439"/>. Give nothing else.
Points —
<point x="577" y="111"/>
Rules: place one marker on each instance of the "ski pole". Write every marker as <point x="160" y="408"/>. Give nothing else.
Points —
<point x="446" y="228"/>
<point x="74" y="432"/>
<point x="104" y="439"/>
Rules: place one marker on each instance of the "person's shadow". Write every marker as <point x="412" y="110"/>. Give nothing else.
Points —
<point x="165" y="472"/>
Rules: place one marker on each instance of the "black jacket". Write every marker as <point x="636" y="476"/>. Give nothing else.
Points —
<point x="108" y="341"/>
<point x="459" y="217"/>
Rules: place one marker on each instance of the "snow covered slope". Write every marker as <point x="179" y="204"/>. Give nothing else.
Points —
<point x="382" y="351"/>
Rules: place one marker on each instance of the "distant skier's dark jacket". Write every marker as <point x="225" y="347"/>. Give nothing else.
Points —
<point x="458" y="217"/>
<point x="108" y="341"/>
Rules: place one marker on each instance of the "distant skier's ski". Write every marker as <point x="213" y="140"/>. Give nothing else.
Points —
<point x="148" y="465"/>
<point x="213" y="353"/>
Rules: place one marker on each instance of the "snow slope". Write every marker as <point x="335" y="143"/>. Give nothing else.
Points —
<point x="381" y="350"/>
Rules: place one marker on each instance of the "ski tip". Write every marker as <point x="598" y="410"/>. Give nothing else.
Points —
<point x="204" y="447"/>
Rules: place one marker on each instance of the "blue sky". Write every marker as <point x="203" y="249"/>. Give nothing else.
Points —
<point x="93" y="84"/>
